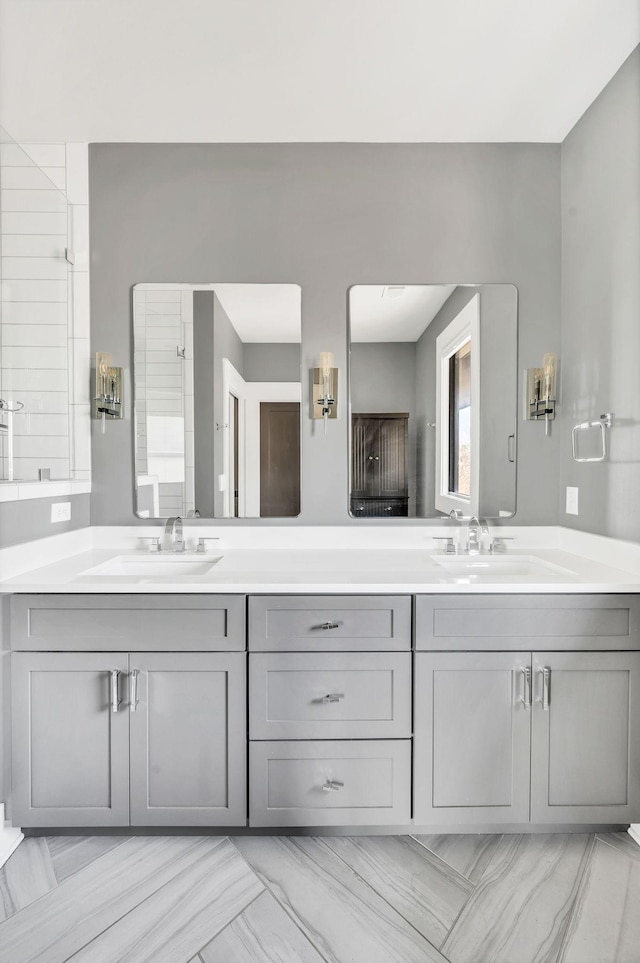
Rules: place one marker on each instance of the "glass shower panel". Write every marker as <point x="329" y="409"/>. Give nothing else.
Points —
<point x="34" y="310"/>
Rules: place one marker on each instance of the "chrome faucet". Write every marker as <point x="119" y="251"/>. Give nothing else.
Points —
<point x="477" y="528"/>
<point x="173" y="529"/>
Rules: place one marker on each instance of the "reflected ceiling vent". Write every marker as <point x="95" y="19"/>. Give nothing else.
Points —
<point x="393" y="291"/>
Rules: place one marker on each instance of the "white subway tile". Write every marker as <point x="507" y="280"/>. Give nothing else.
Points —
<point x="30" y="223"/>
<point x="81" y="310"/>
<point x="34" y="290"/>
<point x="173" y="310"/>
<point x="34" y="312"/>
<point x="42" y="268"/>
<point x="26" y="178"/>
<point x="78" y="173"/>
<point x="12" y="155"/>
<point x="81" y="371"/>
<point x="34" y="357"/>
<point x="164" y="357"/>
<point x="162" y="370"/>
<point x="46" y="155"/>
<point x="57" y="176"/>
<point x="40" y="424"/>
<point x="34" y="245"/>
<point x="53" y="402"/>
<point x="81" y="419"/>
<point x="41" y="446"/>
<point x="79" y="236"/>
<point x="159" y="295"/>
<point x="32" y="200"/>
<point x="18" y="380"/>
<point x="18" y="335"/>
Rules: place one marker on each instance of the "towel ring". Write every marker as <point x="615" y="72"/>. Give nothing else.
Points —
<point x="603" y="422"/>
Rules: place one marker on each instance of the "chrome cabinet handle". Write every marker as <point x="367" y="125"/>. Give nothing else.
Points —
<point x="327" y="625"/>
<point x="525" y="672"/>
<point x="332" y="697"/>
<point x="546" y="688"/>
<point x="115" y="699"/>
<point x="332" y="785"/>
<point x="511" y="446"/>
<point x="133" y="694"/>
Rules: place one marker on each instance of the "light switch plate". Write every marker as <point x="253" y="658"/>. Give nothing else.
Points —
<point x="572" y="501"/>
<point x="61" y="512"/>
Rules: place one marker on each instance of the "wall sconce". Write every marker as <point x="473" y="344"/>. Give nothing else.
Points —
<point x="108" y="399"/>
<point x="540" y="401"/>
<point x="324" y="396"/>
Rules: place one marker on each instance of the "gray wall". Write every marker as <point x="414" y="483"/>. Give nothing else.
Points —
<point x="24" y="521"/>
<point x="271" y="362"/>
<point x="601" y="304"/>
<point x="325" y="216"/>
<point x="203" y="418"/>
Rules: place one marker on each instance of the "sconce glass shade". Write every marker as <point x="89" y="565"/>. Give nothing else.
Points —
<point x="326" y="363"/>
<point x="103" y="363"/>
<point x="550" y="368"/>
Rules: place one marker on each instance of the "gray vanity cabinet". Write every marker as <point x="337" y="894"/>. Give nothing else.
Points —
<point x="166" y="746"/>
<point x="187" y="716"/>
<point x="471" y="738"/>
<point x="137" y="735"/>
<point x="585" y="738"/>
<point x="516" y="736"/>
<point x="329" y="710"/>
<point x="70" y="749"/>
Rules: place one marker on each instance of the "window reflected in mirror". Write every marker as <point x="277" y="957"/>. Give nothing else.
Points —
<point x="217" y="400"/>
<point x="432" y="392"/>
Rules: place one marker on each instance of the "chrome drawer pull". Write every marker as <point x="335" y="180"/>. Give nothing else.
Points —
<point x="332" y="785"/>
<point x="115" y="700"/>
<point x="328" y="625"/>
<point x="332" y="697"/>
<point x="133" y="697"/>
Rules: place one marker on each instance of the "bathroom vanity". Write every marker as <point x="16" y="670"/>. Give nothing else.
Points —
<point x="450" y="706"/>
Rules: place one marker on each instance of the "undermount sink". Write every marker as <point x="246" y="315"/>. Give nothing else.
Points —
<point x="154" y="567"/>
<point x="525" y="568"/>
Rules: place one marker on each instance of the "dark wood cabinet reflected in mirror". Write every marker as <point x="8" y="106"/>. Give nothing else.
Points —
<point x="379" y="480"/>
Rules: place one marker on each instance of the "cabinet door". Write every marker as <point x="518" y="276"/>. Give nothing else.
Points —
<point x="586" y="737"/>
<point x="70" y="748"/>
<point x="392" y="447"/>
<point x="471" y="738"/>
<point x="188" y="739"/>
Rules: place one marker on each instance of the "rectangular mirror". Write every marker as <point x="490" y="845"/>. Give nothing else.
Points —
<point x="217" y="400"/>
<point x="433" y="400"/>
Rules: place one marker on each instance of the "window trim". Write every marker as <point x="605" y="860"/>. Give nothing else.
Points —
<point x="464" y="327"/>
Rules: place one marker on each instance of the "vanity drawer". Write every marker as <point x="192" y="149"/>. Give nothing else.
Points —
<point x="322" y="623"/>
<point x="330" y="783"/>
<point x="523" y="622"/>
<point x="330" y="696"/>
<point x="156" y="623"/>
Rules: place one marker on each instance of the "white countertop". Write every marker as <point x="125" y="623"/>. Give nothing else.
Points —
<point x="374" y="560"/>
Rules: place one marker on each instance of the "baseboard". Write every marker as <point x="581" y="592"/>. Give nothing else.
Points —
<point x="10" y="837"/>
<point x="634" y="832"/>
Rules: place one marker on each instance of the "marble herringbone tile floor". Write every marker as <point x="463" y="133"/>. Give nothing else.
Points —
<point x="384" y="899"/>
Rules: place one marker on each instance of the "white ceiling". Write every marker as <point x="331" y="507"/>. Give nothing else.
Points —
<point x="264" y="313"/>
<point x="394" y="313"/>
<point x="307" y="70"/>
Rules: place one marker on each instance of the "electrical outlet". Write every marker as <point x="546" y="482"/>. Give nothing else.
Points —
<point x="61" y="512"/>
<point x="572" y="501"/>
